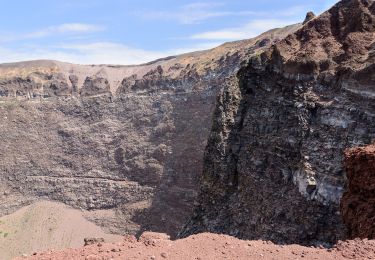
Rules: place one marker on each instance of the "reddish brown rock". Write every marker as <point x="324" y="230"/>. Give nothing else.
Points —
<point x="358" y="202"/>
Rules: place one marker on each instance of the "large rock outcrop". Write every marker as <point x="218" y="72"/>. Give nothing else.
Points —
<point x="125" y="143"/>
<point x="273" y="164"/>
<point x="358" y="202"/>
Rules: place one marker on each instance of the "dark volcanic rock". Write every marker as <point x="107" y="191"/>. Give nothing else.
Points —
<point x="358" y="202"/>
<point x="58" y="86"/>
<point x="273" y="164"/>
<point x="92" y="241"/>
<point x="309" y="17"/>
<point x="95" y="86"/>
<point x="124" y="143"/>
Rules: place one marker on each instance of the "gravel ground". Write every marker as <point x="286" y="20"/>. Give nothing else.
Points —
<point x="208" y="246"/>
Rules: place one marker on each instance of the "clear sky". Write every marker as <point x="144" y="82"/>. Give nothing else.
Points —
<point x="136" y="31"/>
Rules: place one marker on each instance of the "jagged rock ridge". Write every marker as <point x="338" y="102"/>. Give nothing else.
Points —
<point x="273" y="164"/>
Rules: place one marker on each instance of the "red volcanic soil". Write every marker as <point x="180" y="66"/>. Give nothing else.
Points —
<point x="208" y="246"/>
<point x="358" y="202"/>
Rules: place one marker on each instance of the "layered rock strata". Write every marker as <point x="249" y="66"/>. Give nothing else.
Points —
<point x="123" y="142"/>
<point x="273" y="164"/>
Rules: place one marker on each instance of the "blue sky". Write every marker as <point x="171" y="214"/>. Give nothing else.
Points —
<point x="136" y="31"/>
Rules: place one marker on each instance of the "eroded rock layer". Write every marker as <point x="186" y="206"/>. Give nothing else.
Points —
<point x="273" y="165"/>
<point x="358" y="202"/>
<point x="123" y="142"/>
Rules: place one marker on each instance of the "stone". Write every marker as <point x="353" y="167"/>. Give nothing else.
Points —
<point x="126" y="139"/>
<point x="309" y="17"/>
<point x="254" y="176"/>
<point x="92" y="241"/>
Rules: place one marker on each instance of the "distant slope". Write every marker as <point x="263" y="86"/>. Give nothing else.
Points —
<point x="201" y="60"/>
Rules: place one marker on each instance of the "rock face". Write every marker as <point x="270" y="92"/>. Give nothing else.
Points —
<point x="273" y="164"/>
<point x="124" y="142"/>
<point x="309" y="17"/>
<point x="358" y="202"/>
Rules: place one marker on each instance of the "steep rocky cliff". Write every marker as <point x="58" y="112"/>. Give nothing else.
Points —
<point x="273" y="164"/>
<point x="123" y="142"/>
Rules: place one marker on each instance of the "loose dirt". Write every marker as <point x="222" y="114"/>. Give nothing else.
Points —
<point x="207" y="246"/>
